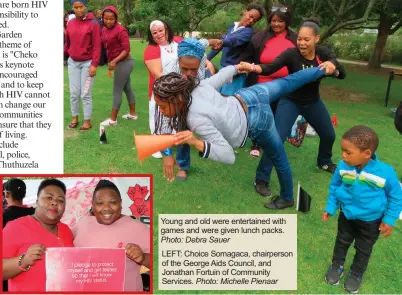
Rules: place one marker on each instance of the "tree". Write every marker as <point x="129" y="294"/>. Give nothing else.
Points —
<point x="389" y="14"/>
<point x="336" y="14"/>
<point x="127" y="7"/>
<point x="182" y="15"/>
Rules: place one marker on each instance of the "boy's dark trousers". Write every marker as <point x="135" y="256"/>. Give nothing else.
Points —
<point x="365" y="235"/>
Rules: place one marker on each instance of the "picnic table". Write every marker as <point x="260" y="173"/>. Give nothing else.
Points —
<point x="392" y="75"/>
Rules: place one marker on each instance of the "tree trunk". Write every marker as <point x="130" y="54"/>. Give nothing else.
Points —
<point x="267" y="6"/>
<point x="127" y="7"/>
<point x="382" y="36"/>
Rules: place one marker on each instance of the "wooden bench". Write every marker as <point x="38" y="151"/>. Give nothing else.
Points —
<point x="392" y="75"/>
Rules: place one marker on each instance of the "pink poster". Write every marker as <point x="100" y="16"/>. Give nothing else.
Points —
<point x="85" y="269"/>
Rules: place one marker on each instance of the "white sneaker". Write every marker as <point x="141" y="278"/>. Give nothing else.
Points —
<point x="157" y="155"/>
<point x="130" y="117"/>
<point x="310" y="131"/>
<point x="109" y="122"/>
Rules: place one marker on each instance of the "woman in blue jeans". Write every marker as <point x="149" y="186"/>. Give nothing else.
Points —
<point x="224" y="123"/>
<point x="306" y="100"/>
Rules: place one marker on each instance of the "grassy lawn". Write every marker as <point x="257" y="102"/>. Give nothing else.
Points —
<point x="219" y="188"/>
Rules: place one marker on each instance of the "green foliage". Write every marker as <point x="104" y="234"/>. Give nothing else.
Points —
<point x="361" y="46"/>
<point x="67" y="5"/>
<point x="182" y="15"/>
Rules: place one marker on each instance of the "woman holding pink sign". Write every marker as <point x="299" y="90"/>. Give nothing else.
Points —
<point x="108" y="228"/>
<point x="23" y="253"/>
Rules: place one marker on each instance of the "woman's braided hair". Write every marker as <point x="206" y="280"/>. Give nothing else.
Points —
<point x="173" y="88"/>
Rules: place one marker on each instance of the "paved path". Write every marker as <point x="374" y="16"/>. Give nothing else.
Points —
<point x="363" y="63"/>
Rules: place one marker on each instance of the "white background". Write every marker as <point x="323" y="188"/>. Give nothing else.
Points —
<point x="44" y="146"/>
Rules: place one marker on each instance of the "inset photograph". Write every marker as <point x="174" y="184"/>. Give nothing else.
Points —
<point x="70" y="233"/>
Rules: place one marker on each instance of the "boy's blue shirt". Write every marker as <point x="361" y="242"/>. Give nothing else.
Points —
<point x="369" y="194"/>
<point x="233" y="45"/>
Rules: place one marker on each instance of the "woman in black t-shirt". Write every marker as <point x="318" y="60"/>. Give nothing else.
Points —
<point x="306" y="100"/>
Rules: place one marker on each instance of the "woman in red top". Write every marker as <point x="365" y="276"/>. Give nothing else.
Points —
<point x="83" y="47"/>
<point x="25" y="239"/>
<point x="161" y="50"/>
<point x="267" y="45"/>
<point x="115" y="39"/>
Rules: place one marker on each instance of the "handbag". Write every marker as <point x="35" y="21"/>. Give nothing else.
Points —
<point x="298" y="131"/>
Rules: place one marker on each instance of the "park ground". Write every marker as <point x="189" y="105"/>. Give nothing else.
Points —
<point x="225" y="189"/>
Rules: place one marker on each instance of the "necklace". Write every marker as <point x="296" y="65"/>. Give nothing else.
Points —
<point x="54" y="233"/>
<point x="167" y="50"/>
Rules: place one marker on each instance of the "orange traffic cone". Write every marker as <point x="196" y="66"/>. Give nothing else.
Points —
<point x="334" y="120"/>
<point x="149" y="144"/>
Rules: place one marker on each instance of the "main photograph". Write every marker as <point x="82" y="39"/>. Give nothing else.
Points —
<point x="217" y="100"/>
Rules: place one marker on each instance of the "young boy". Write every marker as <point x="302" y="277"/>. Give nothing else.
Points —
<point x="369" y="196"/>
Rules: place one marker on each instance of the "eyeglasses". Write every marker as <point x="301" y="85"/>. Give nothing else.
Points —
<point x="280" y="8"/>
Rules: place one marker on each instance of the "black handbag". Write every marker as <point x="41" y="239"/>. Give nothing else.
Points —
<point x="398" y="118"/>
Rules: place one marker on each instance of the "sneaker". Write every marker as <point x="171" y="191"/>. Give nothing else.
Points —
<point x="334" y="274"/>
<point x="279" y="203"/>
<point x="352" y="283"/>
<point x="157" y="155"/>
<point x="328" y="167"/>
<point x="109" y="122"/>
<point x="262" y="187"/>
<point x="130" y="117"/>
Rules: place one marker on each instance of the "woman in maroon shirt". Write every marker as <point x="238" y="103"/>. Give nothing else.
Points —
<point x="115" y="39"/>
<point x="83" y="47"/>
<point x="267" y="45"/>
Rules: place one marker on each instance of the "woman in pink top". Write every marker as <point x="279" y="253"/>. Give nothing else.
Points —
<point x="161" y="50"/>
<point x="25" y="239"/>
<point x="266" y="46"/>
<point x="110" y="229"/>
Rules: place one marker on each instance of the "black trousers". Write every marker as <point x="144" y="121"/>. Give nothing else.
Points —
<point x="364" y="234"/>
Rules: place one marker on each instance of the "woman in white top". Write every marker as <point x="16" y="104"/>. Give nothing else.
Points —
<point x="160" y="52"/>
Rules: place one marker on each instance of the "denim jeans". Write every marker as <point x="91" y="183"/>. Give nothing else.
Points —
<point x="364" y="233"/>
<point x="183" y="156"/>
<point x="262" y="125"/>
<point x="238" y="82"/>
<point x="80" y="87"/>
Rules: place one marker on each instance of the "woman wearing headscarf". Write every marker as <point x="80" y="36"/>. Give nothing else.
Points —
<point x="108" y="228"/>
<point x="267" y="45"/>
<point x="191" y="61"/>
<point x="160" y="52"/>
<point x="83" y="46"/>
<point x="24" y="253"/>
